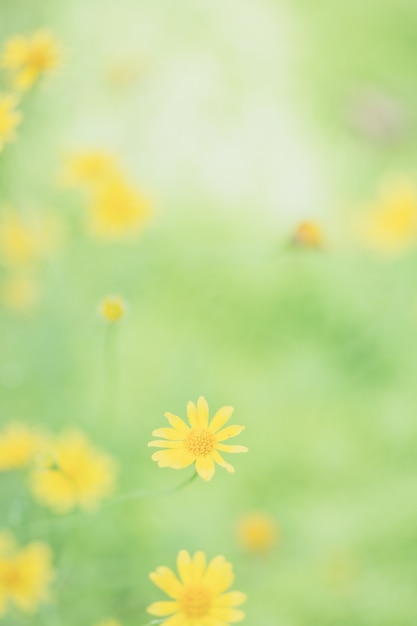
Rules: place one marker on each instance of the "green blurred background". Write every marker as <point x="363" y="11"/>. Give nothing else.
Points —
<point x="241" y="119"/>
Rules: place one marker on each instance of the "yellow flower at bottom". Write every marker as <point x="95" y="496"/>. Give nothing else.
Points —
<point x="25" y="576"/>
<point x="257" y="532"/>
<point x="9" y="119"/>
<point x="201" y="443"/>
<point x="198" y="595"/>
<point x="80" y="475"/>
<point x="18" y="446"/>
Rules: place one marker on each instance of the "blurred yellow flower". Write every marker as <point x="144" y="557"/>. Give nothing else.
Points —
<point x="30" y="57"/>
<point x="308" y="235"/>
<point x="201" y="443"/>
<point x="18" y="446"/>
<point x="257" y="531"/>
<point x="390" y="225"/>
<point x="9" y="119"/>
<point x="82" y="475"/>
<point x="112" y="308"/>
<point x="117" y="209"/>
<point x="20" y="293"/>
<point x="198" y="594"/>
<point x="25" y="576"/>
<point x="25" y="240"/>
<point x="89" y="168"/>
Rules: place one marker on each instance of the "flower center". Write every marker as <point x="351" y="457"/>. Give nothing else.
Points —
<point x="200" y="442"/>
<point x="195" y="601"/>
<point x="11" y="577"/>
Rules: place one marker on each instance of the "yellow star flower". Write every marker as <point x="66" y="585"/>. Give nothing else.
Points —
<point x="257" y="532"/>
<point x="80" y="475"/>
<point x="18" y="446"/>
<point x="25" y="576"/>
<point x="391" y="222"/>
<point x="201" y="443"/>
<point x="9" y="119"/>
<point x="30" y="57"/>
<point x="198" y="596"/>
<point x="117" y="209"/>
<point x="89" y="168"/>
<point x="112" y="308"/>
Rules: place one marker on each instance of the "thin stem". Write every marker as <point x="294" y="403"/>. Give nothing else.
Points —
<point x="111" y="373"/>
<point x="133" y="495"/>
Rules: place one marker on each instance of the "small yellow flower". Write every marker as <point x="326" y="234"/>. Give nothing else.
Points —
<point x="308" y="235"/>
<point x="89" y="168"/>
<point x="390" y="225"/>
<point x="18" y="446"/>
<point x="117" y="209"/>
<point x="82" y="476"/>
<point x="25" y="576"/>
<point x="20" y="293"/>
<point x="112" y="308"/>
<point x="257" y="532"/>
<point x="30" y="57"/>
<point x="9" y="119"/>
<point x="26" y="240"/>
<point x="201" y="443"/>
<point x="198" y="595"/>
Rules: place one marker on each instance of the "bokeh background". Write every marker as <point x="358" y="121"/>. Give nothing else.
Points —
<point x="240" y="120"/>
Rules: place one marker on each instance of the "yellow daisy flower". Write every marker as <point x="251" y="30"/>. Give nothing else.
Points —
<point x="391" y="222"/>
<point x="30" y="57"/>
<point x="89" y="168"/>
<point x="9" y="119"/>
<point x="80" y="475"/>
<point x="112" y="308"/>
<point x="199" y="443"/>
<point x="308" y="235"/>
<point x="198" y="595"/>
<point x="18" y="446"/>
<point x="257" y="532"/>
<point x="25" y="577"/>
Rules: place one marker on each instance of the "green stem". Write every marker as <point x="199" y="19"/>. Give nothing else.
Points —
<point x="134" y="495"/>
<point x="111" y="374"/>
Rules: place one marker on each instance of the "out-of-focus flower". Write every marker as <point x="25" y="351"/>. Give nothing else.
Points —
<point x="112" y="308"/>
<point x="109" y="622"/>
<point x="308" y="235"/>
<point x="201" y="443"/>
<point x="25" y="576"/>
<point x="390" y="225"/>
<point x="198" y="594"/>
<point x="9" y="119"/>
<point x="118" y="209"/>
<point x="30" y="57"/>
<point x="82" y="476"/>
<point x="257" y="532"/>
<point x="18" y="446"/>
<point x="25" y="240"/>
<point x="89" y="168"/>
<point x="20" y="293"/>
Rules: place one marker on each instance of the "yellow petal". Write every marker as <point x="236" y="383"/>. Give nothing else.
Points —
<point x="193" y="415"/>
<point x="199" y="566"/>
<point x="230" y="431"/>
<point x="165" y="579"/>
<point x="220" y="461"/>
<point x="219" y="575"/>
<point x="225" y="448"/>
<point x="177" y="459"/>
<point x="177" y="423"/>
<point x="219" y="420"/>
<point x="177" y="620"/>
<point x="184" y="566"/>
<point x="205" y="467"/>
<point x="202" y="412"/>
<point x="168" y="433"/>
<point x="160" y="443"/>
<point x="227" y="615"/>
<point x="162" y="608"/>
<point x="233" y="598"/>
